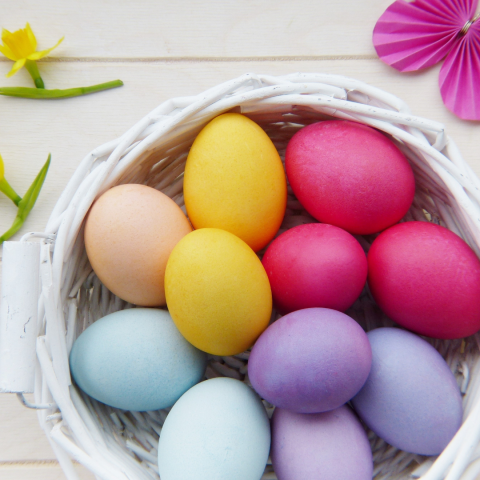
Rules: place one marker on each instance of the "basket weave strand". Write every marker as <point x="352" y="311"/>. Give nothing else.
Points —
<point x="118" y="445"/>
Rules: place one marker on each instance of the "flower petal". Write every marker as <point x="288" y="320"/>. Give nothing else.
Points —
<point x="2" y="171"/>
<point x="414" y="35"/>
<point x="43" y="53"/>
<point x="31" y="36"/>
<point x="8" y="53"/>
<point x="6" y="35"/>
<point x="16" y="67"/>
<point x="18" y="42"/>
<point x="460" y="76"/>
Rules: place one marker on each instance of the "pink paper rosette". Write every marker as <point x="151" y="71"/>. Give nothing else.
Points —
<point x="410" y="36"/>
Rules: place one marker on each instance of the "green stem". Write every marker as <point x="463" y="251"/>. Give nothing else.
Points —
<point x="9" y="191"/>
<point x="17" y="224"/>
<point x="27" y="202"/>
<point x="32" y="68"/>
<point x="25" y="92"/>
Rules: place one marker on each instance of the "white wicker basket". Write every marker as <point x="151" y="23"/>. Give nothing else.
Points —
<point x="118" y="445"/>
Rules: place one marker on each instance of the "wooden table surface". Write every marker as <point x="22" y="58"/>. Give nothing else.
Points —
<point x="161" y="50"/>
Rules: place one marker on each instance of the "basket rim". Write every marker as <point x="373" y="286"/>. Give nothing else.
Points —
<point x="334" y="95"/>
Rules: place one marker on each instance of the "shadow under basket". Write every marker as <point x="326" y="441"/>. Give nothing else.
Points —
<point x="121" y="445"/>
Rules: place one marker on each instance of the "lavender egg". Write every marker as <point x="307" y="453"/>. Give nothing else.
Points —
<point x="328" y="446"/>
<point x="411" y="398"/>
<point x="310" y="361"/>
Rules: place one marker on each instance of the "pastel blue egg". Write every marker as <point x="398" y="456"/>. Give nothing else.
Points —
<point x="136" y="359"/>
<point x="411" y="398"/>
<point x="217" y="430"/>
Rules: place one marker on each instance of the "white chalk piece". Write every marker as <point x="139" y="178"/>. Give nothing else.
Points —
<point x="18" y="316"/>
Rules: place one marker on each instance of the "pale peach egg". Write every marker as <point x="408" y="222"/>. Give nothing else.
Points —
<point x="129" y="234"/>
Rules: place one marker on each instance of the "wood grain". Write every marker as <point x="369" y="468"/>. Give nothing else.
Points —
<point x="46" y="470"/>
<point x="200" y="28"/>
<point x="21" y="438"/>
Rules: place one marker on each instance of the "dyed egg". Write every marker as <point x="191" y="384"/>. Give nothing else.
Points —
<point x="135" y="359"/>
<point x="411" y="398"/>
<point x="328" y="446"/>
<point x="235" y="181"/>
<point x="129" y="234"/>
<point x="310" y="361"/>
<point x="217" y="430"/>
<point x="349" y="175"/>
<point x="315" y="265"/>
<point x="217" y="292"/>
<point x="427" y="279"/>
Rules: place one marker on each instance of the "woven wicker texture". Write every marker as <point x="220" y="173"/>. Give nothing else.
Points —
<point x="118" y="445"/>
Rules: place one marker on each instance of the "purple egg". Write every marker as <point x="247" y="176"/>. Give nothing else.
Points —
<point x="328" y="446"/>
<point x="310" y="361"/>
<point x="411" y="398"/>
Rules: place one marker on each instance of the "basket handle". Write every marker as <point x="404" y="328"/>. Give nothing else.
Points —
<point x="18" y="316"/>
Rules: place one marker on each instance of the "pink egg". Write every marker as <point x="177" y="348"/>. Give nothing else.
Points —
<point x="315" y="265"/>
<point x="427" y="279"/>
<point x="349" y="175"/>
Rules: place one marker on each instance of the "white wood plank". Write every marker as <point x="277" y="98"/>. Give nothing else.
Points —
<point x="40" y="471"/>
<point x="69" y="129"/>
<point x="21" y="437"/>
<point x="245" y="28"/>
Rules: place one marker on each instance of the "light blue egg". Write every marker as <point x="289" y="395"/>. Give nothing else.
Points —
<point x="136" y="359"/>
<point x="217" y="430"/>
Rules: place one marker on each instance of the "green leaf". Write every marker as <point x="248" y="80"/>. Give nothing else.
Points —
<point x="40" y="93"/>
<point x="27" y="202"/>
<point x="7" y="189"/>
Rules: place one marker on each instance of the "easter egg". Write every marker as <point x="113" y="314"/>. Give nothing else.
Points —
<point x="234" y="180"/>
<point x="315" y="265"/>
<point x="427" y="279"/>
<point x="310" y="361"/>
<point x="411" y="398"/>
<point x="135" y="359"/>
<point x="129" y="234"/>
<point x="349" y="175"/>
<point x="329" y="446"/>
<point x="217" y="291"/>
<point x="217" y="430"/>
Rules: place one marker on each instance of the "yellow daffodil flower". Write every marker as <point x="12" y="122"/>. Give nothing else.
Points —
<point x="21" y="46"/>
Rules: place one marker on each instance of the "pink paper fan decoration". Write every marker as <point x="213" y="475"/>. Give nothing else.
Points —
<point x="414" y="35"/>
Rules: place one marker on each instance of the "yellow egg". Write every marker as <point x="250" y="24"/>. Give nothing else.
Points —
<point x="218" y="292"/>
<point x="129" y="234"/>
<point x="235" y="180"/>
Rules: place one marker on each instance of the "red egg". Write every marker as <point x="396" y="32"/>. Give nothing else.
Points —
<point x="427" y="279"/>
<point x="349" y="175"/>
<point x="315" y="265"/>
